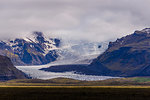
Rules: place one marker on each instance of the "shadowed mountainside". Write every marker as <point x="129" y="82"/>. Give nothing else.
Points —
<point x="8" y="71"/>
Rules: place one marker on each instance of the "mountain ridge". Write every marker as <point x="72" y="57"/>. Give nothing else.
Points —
<point x="38" y="49"/>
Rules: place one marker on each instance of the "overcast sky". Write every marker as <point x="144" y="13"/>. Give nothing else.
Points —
<point x="95" y="20"/>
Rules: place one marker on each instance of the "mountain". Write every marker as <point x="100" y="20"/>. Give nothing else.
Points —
<point x="36" y="49"/>
<point x="8" y="71"/>
<point x="127" y="56"/>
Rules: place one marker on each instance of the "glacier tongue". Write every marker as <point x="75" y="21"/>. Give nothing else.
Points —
<point x="34" y="72"/>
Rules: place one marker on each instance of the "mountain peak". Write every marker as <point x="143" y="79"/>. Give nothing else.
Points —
<point x="36" y="33"/>
<point x="146" y="30"/>
<point x="39" y="37"/>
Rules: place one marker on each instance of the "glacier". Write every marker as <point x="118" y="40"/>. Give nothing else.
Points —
<point x="35" y="73"/>
<point x="79" y="52"/>
<point x="70" y="52"/>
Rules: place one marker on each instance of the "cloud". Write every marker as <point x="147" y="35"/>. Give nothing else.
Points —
<point x="95" y="20"/>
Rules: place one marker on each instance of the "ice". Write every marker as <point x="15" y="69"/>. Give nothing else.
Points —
<point x="80" y="52"/>
<point x="34" y="72"/>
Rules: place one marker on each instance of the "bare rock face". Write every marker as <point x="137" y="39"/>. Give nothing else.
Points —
<point x="8" y="71"/>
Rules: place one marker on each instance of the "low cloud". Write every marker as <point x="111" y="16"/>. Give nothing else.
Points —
<point x="94" y="20"/>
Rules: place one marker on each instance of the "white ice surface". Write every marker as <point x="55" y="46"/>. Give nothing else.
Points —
<point x="34" y="72"/>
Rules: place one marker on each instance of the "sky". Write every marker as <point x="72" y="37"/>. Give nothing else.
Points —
<point x="94" y="20"/>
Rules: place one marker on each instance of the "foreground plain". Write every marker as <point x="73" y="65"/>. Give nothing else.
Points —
<point x="137" y="88"/>
<point x="74" y="93"/>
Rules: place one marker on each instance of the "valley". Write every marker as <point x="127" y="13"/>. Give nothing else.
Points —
<point x="74" y="50"/>
<point x="81" y="60"/>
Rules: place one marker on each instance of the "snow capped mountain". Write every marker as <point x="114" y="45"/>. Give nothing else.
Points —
<point x="35" y="49"/>
<point x="38" y="49"/>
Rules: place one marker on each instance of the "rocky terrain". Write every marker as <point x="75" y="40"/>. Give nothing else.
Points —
<point x="8" y="71"/>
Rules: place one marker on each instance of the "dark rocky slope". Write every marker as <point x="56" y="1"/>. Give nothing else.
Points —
<point x="127" y="56"/>
<point x="8" y="71"/>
